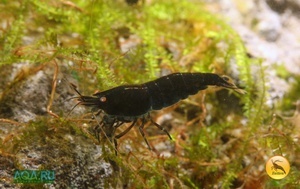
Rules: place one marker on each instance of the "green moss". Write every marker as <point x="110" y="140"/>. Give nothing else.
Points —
<point x="86" y="34"/>
<point x="289" y="100"/>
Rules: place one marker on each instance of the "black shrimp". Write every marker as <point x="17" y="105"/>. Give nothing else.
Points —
<point x="128" y="103"/>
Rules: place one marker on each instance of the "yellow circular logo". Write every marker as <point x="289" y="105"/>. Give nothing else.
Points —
<point x="278" y="167"/>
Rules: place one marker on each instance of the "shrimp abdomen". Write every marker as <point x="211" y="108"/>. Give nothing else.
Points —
<point x="172" y="88"/>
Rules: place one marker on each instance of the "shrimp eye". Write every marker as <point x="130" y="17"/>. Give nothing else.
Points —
<point x="103" y="99"/>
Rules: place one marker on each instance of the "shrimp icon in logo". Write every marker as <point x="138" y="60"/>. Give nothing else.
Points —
<point x="277" y="167"/>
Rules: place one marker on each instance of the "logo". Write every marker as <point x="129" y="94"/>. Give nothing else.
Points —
<point x="278" y="167"/>
<point x="34" y="176"/>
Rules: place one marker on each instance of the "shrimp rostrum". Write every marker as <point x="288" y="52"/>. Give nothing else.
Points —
<point x="129" y="103"/>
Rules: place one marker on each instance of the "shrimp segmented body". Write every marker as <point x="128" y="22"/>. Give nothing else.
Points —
<point x="128" y="103"/>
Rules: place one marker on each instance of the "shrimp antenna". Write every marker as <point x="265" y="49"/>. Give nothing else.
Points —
<point x="73" y="108"/>
<point x="74" y="87"/>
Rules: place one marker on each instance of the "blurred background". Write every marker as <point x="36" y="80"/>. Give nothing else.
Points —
<point x="221" y="139"/>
